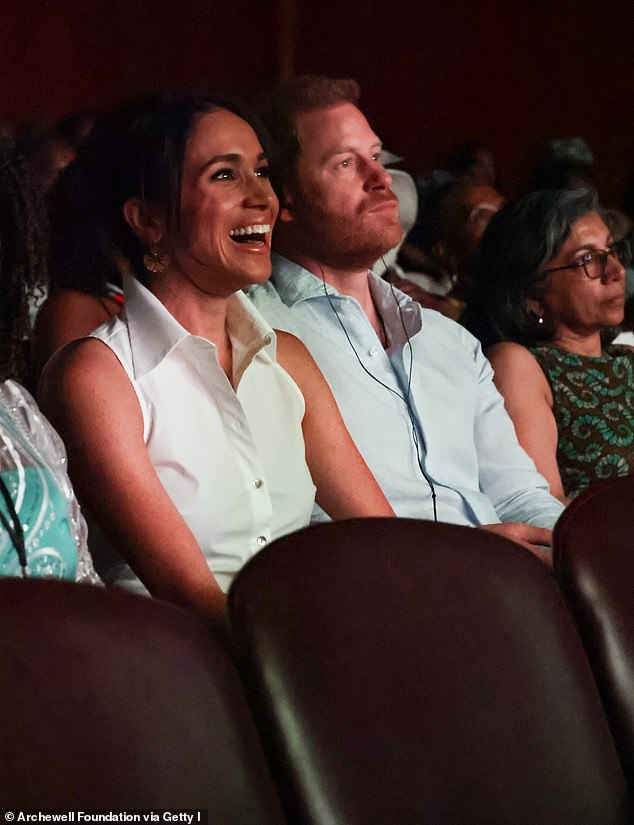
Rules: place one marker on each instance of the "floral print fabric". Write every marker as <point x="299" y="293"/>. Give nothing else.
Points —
<point x="594" y="410"/>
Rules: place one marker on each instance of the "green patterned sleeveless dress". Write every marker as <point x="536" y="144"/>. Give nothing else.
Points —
<point x="594" y="410"/>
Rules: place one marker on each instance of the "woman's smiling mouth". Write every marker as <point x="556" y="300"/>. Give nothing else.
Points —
<point x="253" y="234"/>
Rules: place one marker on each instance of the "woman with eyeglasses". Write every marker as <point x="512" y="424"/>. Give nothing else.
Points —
<point x="550" y="283"/>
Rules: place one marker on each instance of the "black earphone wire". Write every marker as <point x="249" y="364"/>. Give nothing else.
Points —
<point x="404" y="398"/>
<point x="16" y="533"/>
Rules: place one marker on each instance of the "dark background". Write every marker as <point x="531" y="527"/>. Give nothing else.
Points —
<point x="510" y="74"/>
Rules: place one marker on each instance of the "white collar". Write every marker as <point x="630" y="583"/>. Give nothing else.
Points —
<point x="154" y="332"/>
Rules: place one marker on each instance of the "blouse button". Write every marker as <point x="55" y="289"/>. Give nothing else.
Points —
<point x="257" y="483"/>
<point x="261" y="541"/>
<point x="373" y="352"/>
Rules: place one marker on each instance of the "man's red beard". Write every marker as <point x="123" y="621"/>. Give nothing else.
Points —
<point x="354" y="242"/>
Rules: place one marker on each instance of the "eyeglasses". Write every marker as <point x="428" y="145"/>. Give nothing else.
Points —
<point x="594" y="261"/>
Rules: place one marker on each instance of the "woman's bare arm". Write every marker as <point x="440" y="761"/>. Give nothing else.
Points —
<point x="65" y="316"/>
<point x="345" y="486"/>
<point x="528" y="401"/>
<point x="89" y="399"/>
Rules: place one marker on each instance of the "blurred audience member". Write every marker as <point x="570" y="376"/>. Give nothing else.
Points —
<point x="449" y="229"/>
<point x="473" y="162"/>
<point x="563" y="164"/>
<point x="23" y="257"/>
<point x="43" y="533"/>
<point x="85" y="287"/>
<point x="549" y="282"/>
<point x="49" y="149"/>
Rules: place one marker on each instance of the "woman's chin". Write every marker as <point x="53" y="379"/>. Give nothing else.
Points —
<point x="615" y="318"/>
<point x="257" y="275"/>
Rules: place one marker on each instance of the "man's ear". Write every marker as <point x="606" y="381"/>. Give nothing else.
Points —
<point x="146" y="221"/>
<point x="287" y="210"/>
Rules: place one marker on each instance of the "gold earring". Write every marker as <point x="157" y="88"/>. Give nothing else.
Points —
<point x="155" y="261"/>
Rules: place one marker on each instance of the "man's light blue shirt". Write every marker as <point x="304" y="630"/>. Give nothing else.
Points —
<point x="466" y="440"/>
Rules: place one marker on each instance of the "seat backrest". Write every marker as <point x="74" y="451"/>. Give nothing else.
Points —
<point x="409" y="672"/>
<point x="593" y="547"/>
<point x="109" y="700"/>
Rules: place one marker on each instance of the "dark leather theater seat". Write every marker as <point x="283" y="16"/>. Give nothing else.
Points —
<point x="115" y="701"/>
<point x="409" y="672"/>
<point x="594" y="562"/>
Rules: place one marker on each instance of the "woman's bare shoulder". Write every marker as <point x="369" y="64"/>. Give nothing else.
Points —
<point x="517" y="371"/>
<point x="509" y="352"/>
<point x="514" y="359"/>
<point x="65" y="316"/>
<point x="291" y="352"/>
<point x="65" y="301"/>
<point x="82" y="354"/>
<point x="80" y="369"/>
<point x="289" y="343"/>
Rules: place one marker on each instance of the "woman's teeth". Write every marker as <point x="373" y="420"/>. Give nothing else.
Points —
<point x="256" y="229"/>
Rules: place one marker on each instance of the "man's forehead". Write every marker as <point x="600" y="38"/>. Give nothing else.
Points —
<point x="332" y="127"/>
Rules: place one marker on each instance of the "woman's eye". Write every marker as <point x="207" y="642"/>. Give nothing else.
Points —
<point x="223" y="174"/>
<point x="585" y="259"/>
<point x="262" y="172"/>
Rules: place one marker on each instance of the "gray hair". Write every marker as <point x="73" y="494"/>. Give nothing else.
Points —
<point x="560" y="214"/>
<point x="515" y="250"/>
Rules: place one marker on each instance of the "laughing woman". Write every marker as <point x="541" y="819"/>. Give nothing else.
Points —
<point x="196" y="434"/>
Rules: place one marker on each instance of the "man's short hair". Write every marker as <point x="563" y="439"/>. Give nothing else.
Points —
<point x="279" y="109"/>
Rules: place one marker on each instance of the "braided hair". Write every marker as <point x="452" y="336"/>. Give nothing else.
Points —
<point x="23" y="258"/>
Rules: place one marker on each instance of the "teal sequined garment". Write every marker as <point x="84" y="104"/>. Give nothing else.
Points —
<point x="594" y="410"/>
<point x="43" y="512"/>
<point x="33" y="472"/>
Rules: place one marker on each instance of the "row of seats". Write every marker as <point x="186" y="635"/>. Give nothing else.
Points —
<point x="371" y="672"/>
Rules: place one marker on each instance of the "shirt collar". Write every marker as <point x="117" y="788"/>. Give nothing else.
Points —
<point x="155" y="333"/>
<point x="294" y="284"/>
<point x="403" y="318"/>
<point x="250" y="334"/>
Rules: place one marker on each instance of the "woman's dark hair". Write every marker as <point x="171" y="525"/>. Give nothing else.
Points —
<point x="515" y="248"/>
<point x="137" y="150"/>
<point x="23" y="258"/>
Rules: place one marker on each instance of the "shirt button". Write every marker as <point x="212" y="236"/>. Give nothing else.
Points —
<point x="267" y="340"/>
<point x="261" y="541"/>
<point x="257" y="483"/>
<point x="373" y="352"/>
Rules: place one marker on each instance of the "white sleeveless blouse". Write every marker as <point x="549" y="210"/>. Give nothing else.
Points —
<point x="233" y="462"/>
